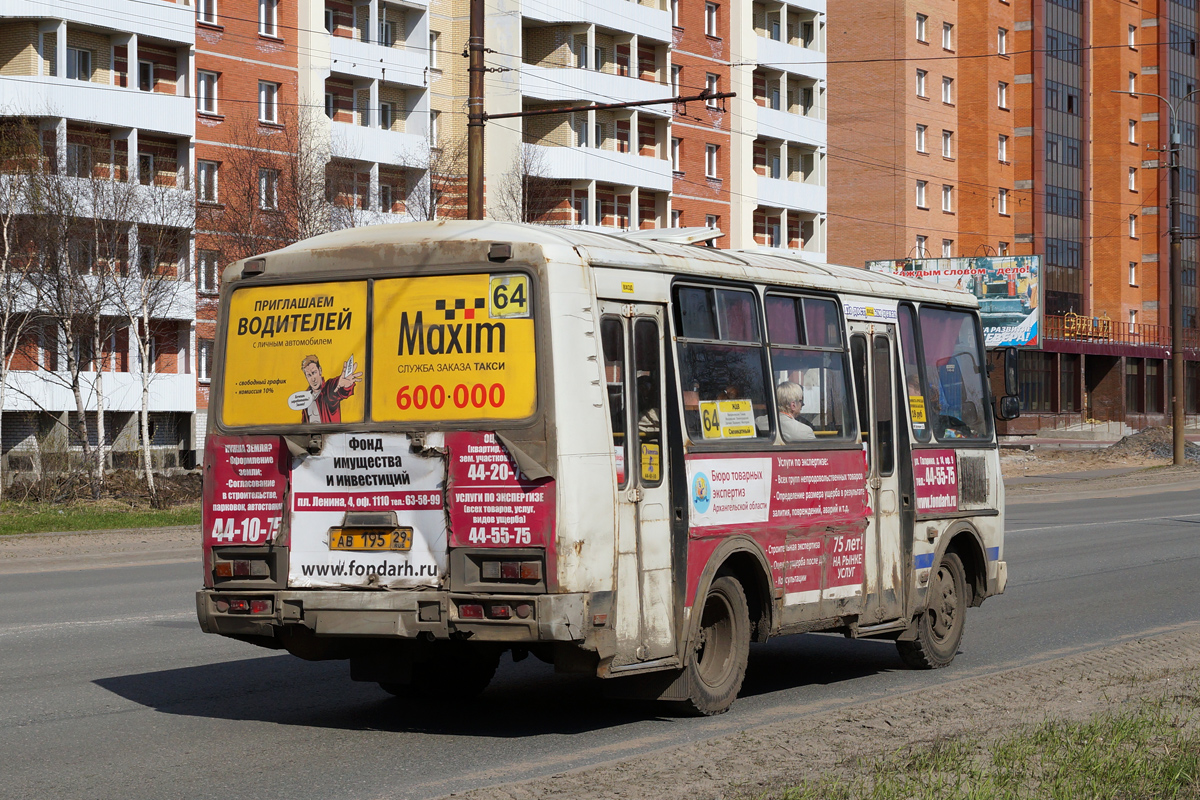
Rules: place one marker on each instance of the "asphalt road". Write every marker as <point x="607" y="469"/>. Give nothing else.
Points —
<point x="108" y="688"/>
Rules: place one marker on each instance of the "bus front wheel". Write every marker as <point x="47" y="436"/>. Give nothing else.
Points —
<point x="722" y="648"/>
<point x="940" y="626"/>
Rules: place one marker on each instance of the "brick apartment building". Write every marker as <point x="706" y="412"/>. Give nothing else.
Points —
<point x="993" y="128"/>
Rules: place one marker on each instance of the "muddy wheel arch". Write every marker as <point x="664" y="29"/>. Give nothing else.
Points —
<point x="963" y="538"/>
<point x="744" y="559"/>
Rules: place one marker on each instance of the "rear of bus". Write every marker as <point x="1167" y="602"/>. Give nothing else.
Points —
<point x="375" y="466"/>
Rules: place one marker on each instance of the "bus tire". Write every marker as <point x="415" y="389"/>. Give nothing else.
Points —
<point x="722" y="648"/>
<point x="940" y="627"/>
<point x="454" y="670"/>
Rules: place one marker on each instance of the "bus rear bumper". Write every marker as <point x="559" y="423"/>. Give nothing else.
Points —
<point x="399" y="615"/>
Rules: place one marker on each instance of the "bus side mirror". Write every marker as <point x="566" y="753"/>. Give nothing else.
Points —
<point x="1012" y="376"/>
<point x="1008" y="407"/>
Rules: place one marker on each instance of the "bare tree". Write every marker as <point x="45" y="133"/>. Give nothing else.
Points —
<point x="438" y="192"/>
<point x="20" y="159"/>
<point x="526" y="193"/>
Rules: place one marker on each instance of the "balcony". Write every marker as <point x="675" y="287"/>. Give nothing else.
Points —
<point x="778" y="193"/>
<point x="621" y="15"/>
<point x="589" y="164"/>
<point x="789" y="127"/>
<point x="35" y="391"/>
<point x="790" y="58"/>
<point x="376" y="62"/>
<point x="170" y="22"/>
<point x="100" y="104"/>
<point x="359" y="143"/>
<point x="568" y="85"/>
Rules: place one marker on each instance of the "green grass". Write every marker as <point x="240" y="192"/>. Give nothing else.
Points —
<point x="39" y="517"/>
<point x="1150" y="752"/>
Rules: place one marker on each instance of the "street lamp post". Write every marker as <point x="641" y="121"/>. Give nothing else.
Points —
<point x="1176" y="269"/>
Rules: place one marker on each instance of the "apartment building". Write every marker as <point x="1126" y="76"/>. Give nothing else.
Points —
<point x="1006" y="128"/>
<point x="107" y="87"/>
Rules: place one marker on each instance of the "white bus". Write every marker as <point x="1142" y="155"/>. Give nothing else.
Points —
<point x="432" y="443"/>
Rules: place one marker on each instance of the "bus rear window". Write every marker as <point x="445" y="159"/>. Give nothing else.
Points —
<point x="295" y="354"/>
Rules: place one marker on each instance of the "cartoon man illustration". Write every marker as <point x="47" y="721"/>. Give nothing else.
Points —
<point x="327" y="395"/>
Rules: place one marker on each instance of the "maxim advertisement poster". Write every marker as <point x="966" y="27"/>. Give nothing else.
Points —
<point x="1008" y="288"/>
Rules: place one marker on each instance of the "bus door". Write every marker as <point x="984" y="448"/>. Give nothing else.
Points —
<point x="874" y="363"/>
<point x="633" y="353"/>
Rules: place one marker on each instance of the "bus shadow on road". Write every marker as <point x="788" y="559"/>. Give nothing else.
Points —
<point x="525" y="699"/>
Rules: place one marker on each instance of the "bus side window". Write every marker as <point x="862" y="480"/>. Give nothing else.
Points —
<point x="858" y="361"/>
<point x="914" y="387"/>
<point x="612" y="335"/>
<point x="648" y="385"/>
<point x="812" y="396"/>
<point x="881" y="366"/>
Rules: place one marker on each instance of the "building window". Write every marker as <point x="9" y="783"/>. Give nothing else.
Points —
<point x="1133" y="179"/>
<point x="79" y="161"/>
<point x="435" y="124"/>
<point x="208" y="273"/>
<point x="329" y="26"/>
<point x="947" y="36"/>
<point x="1002" y="202"/>
<point x="947" y="198"/>
<point x="330" y="107"/>
<point x="1133" y="131"/>
<point x="921" y="193"/>
<point x="206" y="11"/>
<point x="922" y="35"/>
<point x="947" y="248"/>
<point x="1133" y="273"/>
<point x="385" y="116"/>
<point x="79" y="64"/>
<point x="206" y="181"/>
<point x="1133" y="226"/>
<point x="1132" y="316"/>
<point x="710" y="160"/>
<point x="675" y="13"/>
<point x="268" y="17"/>
<point x="1133" y="37"/>
<point x="921" y="250"/>
<point x="268" y="109"/>
<point x="386" y="35"/>
<point x="676" y="218"/>
<point x="712" y="221"/>
<point x="676" y="155"/>
<point x="1002" y="41"/>
<point x="712" y="83"/>
<point x="1002" y="148"/>
<point x="268" y="189"/>
<point x="921" y="92"/>
<point x="204" y="349"/>
<point x="206" y="92"/>
<point x="146" y="169"/>
<point x="385" y="198"/>
<point x="1002" y="95"/>
<point x="146" y="76"/>
<point x="947" y="144"/>
<point x="434" y="36"/>
<point x="921" y="139"/>
<point x="947" y="90"/>
<point x="1002" y="248"/>
<point x="710" y="19"/>
<point x="1132" y="82"/>
<point x="676" y="76"/>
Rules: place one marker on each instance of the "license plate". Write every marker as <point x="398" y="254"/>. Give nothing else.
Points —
<point x="370" y="540"/>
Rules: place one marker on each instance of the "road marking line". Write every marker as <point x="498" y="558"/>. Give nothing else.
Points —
<point x="1093" y="524"/>
<point x="83" y="623"/>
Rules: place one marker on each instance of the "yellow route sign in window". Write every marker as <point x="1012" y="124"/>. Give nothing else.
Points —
<point x="508" y="296"/>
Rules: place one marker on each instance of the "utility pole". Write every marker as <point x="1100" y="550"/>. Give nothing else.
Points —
<point x="475" y="113"/>
<point x="1175" y="267"/>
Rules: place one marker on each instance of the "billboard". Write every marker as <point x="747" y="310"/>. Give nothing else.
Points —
<point x="1008" y="288"/>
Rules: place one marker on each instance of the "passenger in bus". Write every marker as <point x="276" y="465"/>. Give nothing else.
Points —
<point x="789" y="397"/>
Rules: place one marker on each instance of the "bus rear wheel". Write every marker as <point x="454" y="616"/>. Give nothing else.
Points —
<point x="451" y="670"/>
<point x="722" y="648"/>
<point x="940" y="627"/>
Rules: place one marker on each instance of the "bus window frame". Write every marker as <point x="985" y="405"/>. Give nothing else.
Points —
<point x="749" y="444"/>
<point x="934" y="442"/>
<point x="852" y="441"/>
<point x="622" y="482"/>
<point x="918" y="345"/>
<point x="543" y="400"/>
